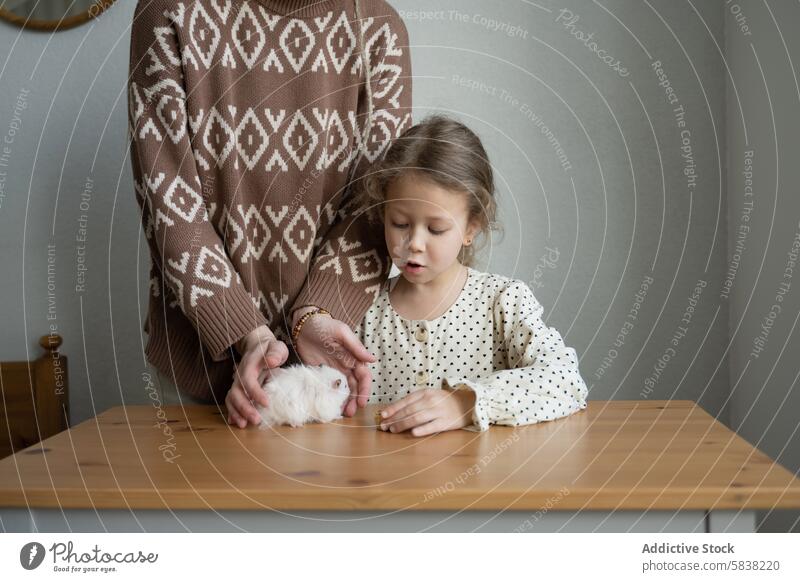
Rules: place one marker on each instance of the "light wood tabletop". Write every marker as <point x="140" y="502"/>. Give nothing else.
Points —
<point x="613" y="455"/>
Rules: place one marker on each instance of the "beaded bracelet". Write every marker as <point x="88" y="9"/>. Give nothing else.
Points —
<point x="299" y="325"/>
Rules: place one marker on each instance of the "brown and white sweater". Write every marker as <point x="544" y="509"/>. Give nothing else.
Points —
<point x="245" y="117"/>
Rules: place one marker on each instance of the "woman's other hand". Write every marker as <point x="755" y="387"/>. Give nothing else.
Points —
<point x="261" y="351"/>
<point x="324" y="340"/>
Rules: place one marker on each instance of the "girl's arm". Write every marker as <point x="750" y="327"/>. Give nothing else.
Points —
<point x="541" y="381"/>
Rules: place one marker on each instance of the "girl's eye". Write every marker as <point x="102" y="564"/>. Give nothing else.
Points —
<point x="432" y="231"/>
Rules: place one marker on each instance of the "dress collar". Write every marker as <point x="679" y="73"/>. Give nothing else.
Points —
<point x="455" y="305"/>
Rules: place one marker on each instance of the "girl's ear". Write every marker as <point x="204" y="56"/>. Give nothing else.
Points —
<point x="472" y="230"/>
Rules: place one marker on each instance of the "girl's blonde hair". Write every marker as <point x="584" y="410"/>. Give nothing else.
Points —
<point x="449" y="154"/>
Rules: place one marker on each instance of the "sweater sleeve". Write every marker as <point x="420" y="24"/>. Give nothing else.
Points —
<point x="184" y="246"/>
<point x="351" y="260"/>
<point x="541" y="381"/>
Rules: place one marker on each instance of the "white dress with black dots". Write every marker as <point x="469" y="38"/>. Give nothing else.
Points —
<point x="491" y="340"/>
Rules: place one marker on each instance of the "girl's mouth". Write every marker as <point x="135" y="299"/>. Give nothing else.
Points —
<point x="412" y="267"/>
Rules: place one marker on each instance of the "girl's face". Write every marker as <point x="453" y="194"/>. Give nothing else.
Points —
<point x="425" y="226"/>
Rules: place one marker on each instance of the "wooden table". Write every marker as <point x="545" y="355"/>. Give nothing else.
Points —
<point x="616" y="466"/>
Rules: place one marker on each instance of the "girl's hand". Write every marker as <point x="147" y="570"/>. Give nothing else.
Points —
<point x="324" y="340"/>
<point x="429" y="411"/>
<point x="261" y="351"/>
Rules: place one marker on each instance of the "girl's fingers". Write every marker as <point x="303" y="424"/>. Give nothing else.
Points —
<point x="414" y="419"/>
<point x="431" y="427"/>
<point x="400" y="419"/>
<point x="395" y="407"/>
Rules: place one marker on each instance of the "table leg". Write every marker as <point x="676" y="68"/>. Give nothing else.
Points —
<point x="731" y="521"/>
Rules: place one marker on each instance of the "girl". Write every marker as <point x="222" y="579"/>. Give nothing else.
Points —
<point x="455" y="347"/>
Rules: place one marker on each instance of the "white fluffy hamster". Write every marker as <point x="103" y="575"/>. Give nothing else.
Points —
<point x="298" y="394"/>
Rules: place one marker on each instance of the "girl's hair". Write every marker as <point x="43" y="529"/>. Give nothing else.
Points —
<point x="446" y="152"/>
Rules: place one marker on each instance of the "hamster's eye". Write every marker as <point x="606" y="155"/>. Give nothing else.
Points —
<point x="337" y="383"/>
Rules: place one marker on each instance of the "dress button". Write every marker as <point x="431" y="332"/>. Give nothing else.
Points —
<point x="422" y="377"/>
<point x="422" y="335"/>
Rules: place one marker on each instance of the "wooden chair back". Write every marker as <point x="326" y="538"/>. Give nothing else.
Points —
<point x="34" y="403"/>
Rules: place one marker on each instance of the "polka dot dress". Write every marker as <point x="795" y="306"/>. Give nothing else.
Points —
<point x="492" y="340"/>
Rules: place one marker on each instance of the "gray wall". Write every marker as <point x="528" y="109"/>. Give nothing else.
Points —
<point x="763" y="128"/>
<point x="66" y="92"/>
<point x="615" y="206"/>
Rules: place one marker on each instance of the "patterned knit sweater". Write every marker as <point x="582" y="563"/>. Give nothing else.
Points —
<point x="246" y="118"/>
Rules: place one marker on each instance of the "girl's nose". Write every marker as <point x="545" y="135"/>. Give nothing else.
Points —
<point x="417" y="241"/>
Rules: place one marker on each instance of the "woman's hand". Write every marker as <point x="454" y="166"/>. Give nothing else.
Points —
<point x="261" y="351"/>
<point x="429" y="411"/>
<point x="324" y="340"/>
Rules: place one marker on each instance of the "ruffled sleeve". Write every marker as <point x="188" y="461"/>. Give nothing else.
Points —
<point x="541" y="380"/>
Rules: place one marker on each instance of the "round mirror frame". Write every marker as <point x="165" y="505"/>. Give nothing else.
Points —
<point x="95" y="10"/>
